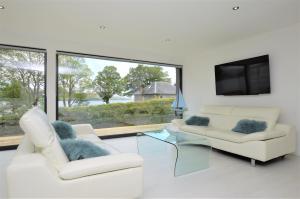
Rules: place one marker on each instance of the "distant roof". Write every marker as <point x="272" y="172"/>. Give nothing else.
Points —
<point x="158" y="88"/>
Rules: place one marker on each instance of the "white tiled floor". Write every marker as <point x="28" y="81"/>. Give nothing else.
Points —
<point x="228" y="176"/>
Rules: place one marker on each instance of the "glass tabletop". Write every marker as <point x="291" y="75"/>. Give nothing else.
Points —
<point x="177" y="137"/>
<point x="192" y="150"/>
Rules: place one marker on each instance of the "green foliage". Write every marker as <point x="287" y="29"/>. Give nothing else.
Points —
<point x="21" y="84"/>
<point x="73" y="77"/>
<point x="3" y="82"/>
<point x="12" y="90"/>
<point x="108" y="83"/>
<point x="120" y="114"/>
<point x="24" y="67"/>
<point x="80" y="97"/>
<point x="142" y="76"/>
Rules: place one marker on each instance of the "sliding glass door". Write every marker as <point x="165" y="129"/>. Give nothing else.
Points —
<point x="110" y="93"/>
<point x="22" y="85"/>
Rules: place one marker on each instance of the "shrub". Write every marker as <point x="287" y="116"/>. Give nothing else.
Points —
<point x="120" y="114"/>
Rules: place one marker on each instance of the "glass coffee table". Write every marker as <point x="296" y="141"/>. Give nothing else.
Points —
<point x="192" y="151"/>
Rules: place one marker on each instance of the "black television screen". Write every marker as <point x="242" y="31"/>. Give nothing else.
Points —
<point x="244" y="77"/>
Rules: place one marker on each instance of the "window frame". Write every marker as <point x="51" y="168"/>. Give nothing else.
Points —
<point x="32" y="49"/>
<point x="176" y="66"/>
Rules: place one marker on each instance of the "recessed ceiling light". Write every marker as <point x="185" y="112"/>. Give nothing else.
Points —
<point x="236" y="8"/>
<point x="2" y="7"/>
<point x="167" y="40"/>
<point x="102" y="27"/>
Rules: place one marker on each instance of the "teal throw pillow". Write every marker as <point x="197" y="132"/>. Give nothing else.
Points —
<point x="77" y="149"/>
<point x="250" y="126"/>
<point x="64" y="130"/>
<point x="198" y="121"/>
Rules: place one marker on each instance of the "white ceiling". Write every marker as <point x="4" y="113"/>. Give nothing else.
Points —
<point x="146" y="24"/>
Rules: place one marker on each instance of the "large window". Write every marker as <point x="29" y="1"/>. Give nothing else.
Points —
<point x="22" y="85"/>
<point x="114" y="93"/>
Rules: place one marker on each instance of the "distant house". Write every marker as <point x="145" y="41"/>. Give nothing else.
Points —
<point x="156" y="90"/>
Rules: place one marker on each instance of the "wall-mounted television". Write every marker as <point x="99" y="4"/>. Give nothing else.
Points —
<point x="243" y="77"/>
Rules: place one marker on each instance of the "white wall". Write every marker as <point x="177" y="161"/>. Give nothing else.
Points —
<point x="283" y="48"/>
<point x="298" y="88"/>
<point x="51" y="45"/>
<point x="198" y="73"/>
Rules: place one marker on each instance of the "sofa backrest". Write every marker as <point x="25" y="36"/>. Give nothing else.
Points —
<point x="25" y="146"/>
<point x="226" y="117"/>
<point x="216" y="109"/>
<point x="41" y="133"/>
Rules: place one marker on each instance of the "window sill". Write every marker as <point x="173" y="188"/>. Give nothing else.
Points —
<point x="15" y="140"/>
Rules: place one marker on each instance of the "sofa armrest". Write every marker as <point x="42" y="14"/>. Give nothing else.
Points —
<point x="284" y="128"/>
<point x="291" y="135"/>
<point x="32" y="166"/>
<point x="98" y="165"/>
<point x="82" y="129"/>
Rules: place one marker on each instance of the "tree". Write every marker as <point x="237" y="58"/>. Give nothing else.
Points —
<point x="16" y="99"/>
<point x="3" y="82"/>
<point x="79" y="98"/>
<point x="27" y="68"/>
<point x="142" y="76"/>
<point x="108" y="83"/>
<point x="12" y="90"/>
<point x="74" y="77"/>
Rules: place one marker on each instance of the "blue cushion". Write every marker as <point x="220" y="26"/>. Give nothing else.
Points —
<point x="198" y="121"/>
<point x="249" y="126"/>
<point x="64" y="130"/>
<point x="77" y="149"/>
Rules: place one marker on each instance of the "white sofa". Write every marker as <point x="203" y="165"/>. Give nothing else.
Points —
<point x="41" y="169"/>
<point x="277" y="140"/>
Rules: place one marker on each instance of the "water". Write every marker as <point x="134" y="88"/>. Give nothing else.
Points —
<point x="98" y="102"/>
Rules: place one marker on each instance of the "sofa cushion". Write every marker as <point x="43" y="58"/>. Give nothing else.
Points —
<point x="41" y="133"/>
<point x="77" y="149"/>
<point x="197" y="121"/>
<point x="250" y="126"/>
<point x="240" y="138"/>
<point x="26" y="146"/>
<point x="104" y="164"/>
<point x="268" y="114"/>
<point x="96" y="140"/>
<point x="64" y="130"/>
<point x="35" y="124"/>
<point x="228" y="122"/>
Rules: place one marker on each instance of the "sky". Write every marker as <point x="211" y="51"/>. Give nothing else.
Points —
<point x="97" y="65"/>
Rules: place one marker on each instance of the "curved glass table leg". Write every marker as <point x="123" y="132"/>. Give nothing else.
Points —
<point x="191" y="158"/>
<point x="192" y="151"/>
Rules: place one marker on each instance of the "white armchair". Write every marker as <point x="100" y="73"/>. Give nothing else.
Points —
<point x="41" y="170"/>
